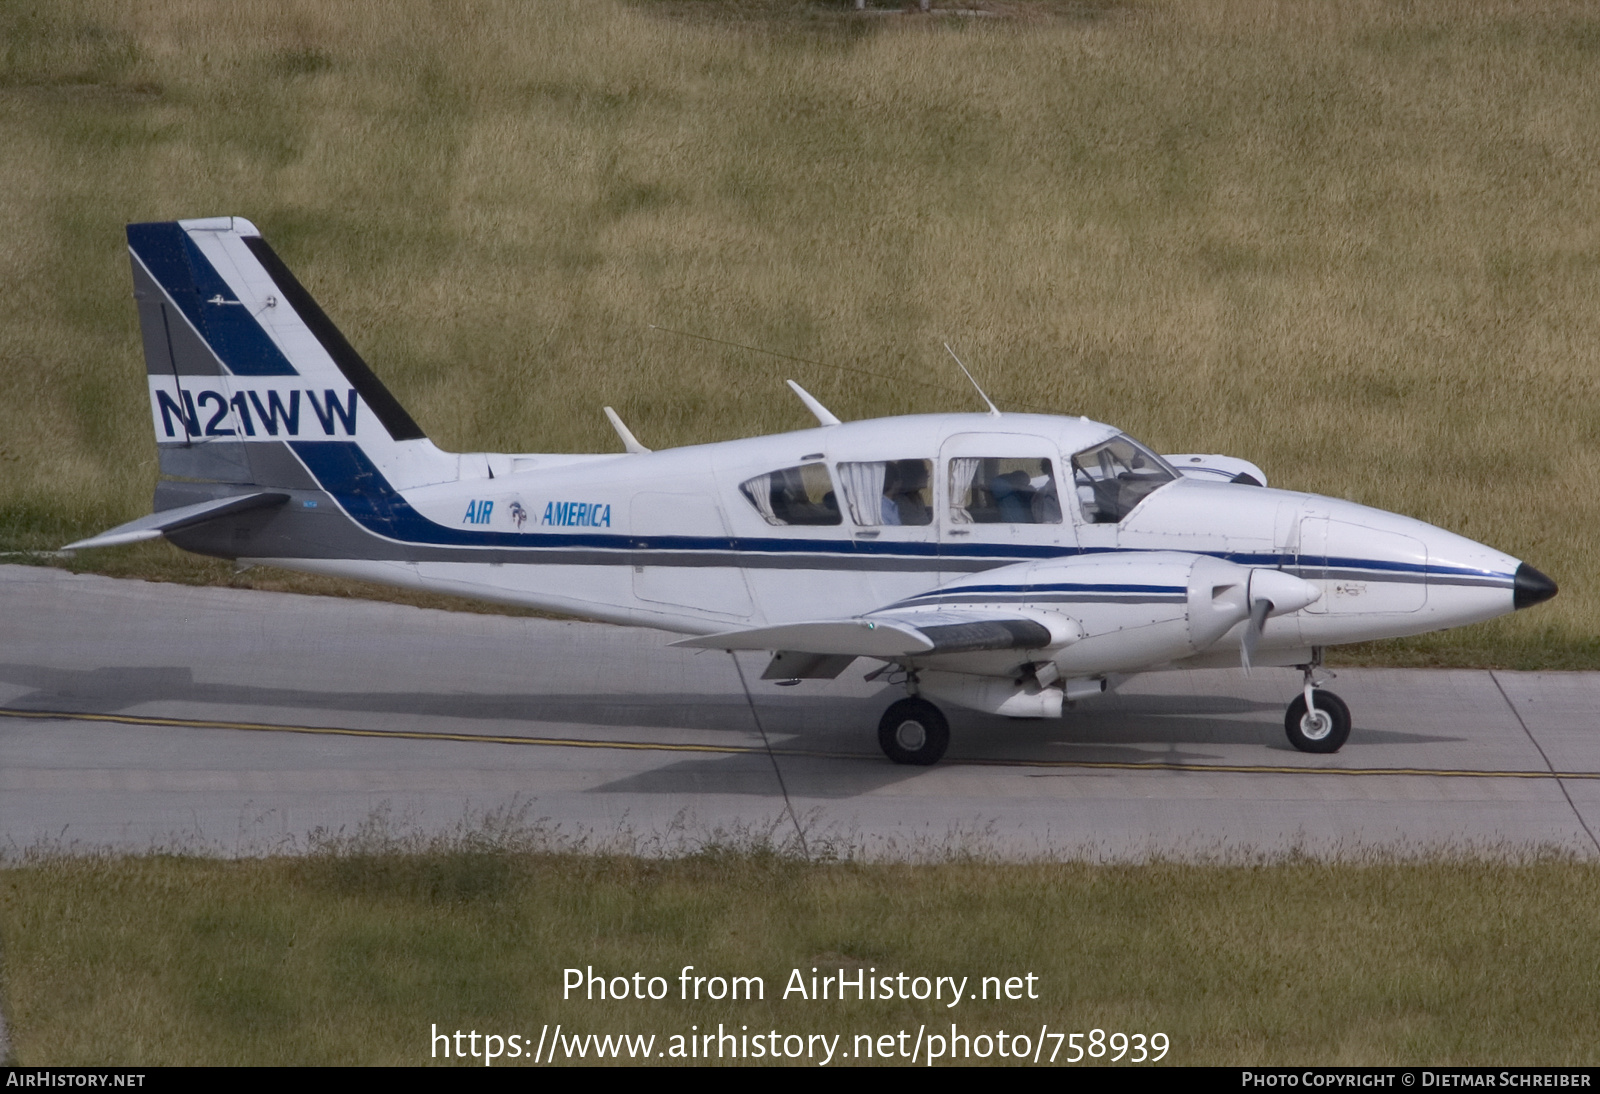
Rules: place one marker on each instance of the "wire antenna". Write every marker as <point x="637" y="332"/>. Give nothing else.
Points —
<point x="901" y="380"/>
<point x="775" y="353"/>
<point x="994" y="411"/>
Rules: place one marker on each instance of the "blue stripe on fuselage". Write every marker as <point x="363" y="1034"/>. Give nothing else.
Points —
<point x="1057" y="587"/>
<point x="344" y="471"/>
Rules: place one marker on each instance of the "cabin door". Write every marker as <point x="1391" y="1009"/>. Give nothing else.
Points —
<point x="999" y="502"/>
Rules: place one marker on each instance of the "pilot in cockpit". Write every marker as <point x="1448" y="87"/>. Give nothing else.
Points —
<point x="1046" y="506"/>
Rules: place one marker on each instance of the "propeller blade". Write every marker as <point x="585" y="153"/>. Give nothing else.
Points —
<point x="1252" y="631"/>
<point x="1272" y="592"/>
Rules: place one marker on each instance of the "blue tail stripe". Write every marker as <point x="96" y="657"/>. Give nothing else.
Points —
<point x="190" y="280"/>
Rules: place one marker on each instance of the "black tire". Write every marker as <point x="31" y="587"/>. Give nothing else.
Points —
<point x="913" y="731"/>
<point x="1310" y="737"/>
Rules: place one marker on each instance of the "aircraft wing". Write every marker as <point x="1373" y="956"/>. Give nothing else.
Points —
<point x="894" y="634"/>
<point x="170" y="520"/>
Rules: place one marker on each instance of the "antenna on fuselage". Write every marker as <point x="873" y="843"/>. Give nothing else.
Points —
<point x="823" y="414"/>
<point x="994" y="411"/>
<point x="629" y="441"/>
<point x="900" y="380"/>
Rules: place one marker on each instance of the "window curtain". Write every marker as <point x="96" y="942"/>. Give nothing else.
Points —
<point x="759" y="491"/>
<point x="863" y="488"/>
<point x="963" y="469"/>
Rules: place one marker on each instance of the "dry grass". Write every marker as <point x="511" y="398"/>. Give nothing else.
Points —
<point x="1353" y="243"/>
<point x="350" y="957"/>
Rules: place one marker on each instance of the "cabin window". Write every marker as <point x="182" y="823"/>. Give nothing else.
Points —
<point x="1114" y="477"/>
<point x="999" y="490"/>
<point x="888" y="492"/>
<point x="795" y="495"/>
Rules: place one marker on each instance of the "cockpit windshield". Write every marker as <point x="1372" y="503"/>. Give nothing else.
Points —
<point x="1114" y="477"/>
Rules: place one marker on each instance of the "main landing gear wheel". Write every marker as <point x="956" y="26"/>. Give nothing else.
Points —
<point x="1322" y="730"/>
<point x="913" y="731"/>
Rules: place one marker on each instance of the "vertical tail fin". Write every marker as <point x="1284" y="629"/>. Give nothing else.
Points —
<point x="250" y="382"/>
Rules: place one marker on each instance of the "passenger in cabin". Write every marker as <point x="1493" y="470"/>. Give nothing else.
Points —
<point x="1013" y="497"/>
<point x="794" y="495"/>
<point x="904" y="482"/>
<point x="888" y="505"/>
<point x="909" y="500"/>
<point x="793" y="505"/>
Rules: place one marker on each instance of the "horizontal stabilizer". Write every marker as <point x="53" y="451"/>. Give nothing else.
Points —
<point x="170" y="520"/>
<point x="906" y="634"/>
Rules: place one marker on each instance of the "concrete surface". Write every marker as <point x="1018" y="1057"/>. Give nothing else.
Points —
<point x="608" y="736"/>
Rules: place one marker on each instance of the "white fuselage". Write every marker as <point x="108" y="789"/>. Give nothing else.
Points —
<point x="673" y="539"/>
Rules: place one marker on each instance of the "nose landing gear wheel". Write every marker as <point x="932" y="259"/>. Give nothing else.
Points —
<point x="913" y="731"/>
<point x="1322" y="730"/>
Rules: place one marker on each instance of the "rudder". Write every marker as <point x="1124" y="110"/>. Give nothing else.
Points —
<point x="245" y="368"/>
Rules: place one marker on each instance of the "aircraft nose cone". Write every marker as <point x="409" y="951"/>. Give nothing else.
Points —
<point x="1531" y="588"/>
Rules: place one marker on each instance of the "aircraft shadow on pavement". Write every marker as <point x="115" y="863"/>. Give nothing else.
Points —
<point x="110" y="690"/>
<point x="839" y="777"/>
<point x="752" y="774"/>
<point x="1119" y="729"/>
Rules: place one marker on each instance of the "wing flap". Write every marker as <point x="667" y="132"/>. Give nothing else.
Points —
<point x="789" y="665"/>
<point x="900" y="635"/>
<point x="170" y="520"/>
<point x="861" y="637"/>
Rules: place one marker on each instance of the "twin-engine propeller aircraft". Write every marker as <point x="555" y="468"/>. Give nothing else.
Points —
<point x="1009" y="563"/>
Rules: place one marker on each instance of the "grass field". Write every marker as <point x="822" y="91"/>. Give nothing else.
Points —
<point x="353" y="957"/>
<point x="1354" y="243"/>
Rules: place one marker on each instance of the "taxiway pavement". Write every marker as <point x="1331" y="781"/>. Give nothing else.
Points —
<point x="136" y="715"/>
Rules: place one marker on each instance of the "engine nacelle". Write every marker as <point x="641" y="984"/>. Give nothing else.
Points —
<point x="1217" y="468"/>
<point x="993" y="694"/>
<point x="1135" y="609"/>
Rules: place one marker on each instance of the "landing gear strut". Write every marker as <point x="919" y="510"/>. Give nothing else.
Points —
<point x="1317" y="721"/>
<point x="913" y="731"/>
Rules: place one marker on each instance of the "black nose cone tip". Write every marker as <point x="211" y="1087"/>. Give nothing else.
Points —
<point x="1531" y="588"/>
